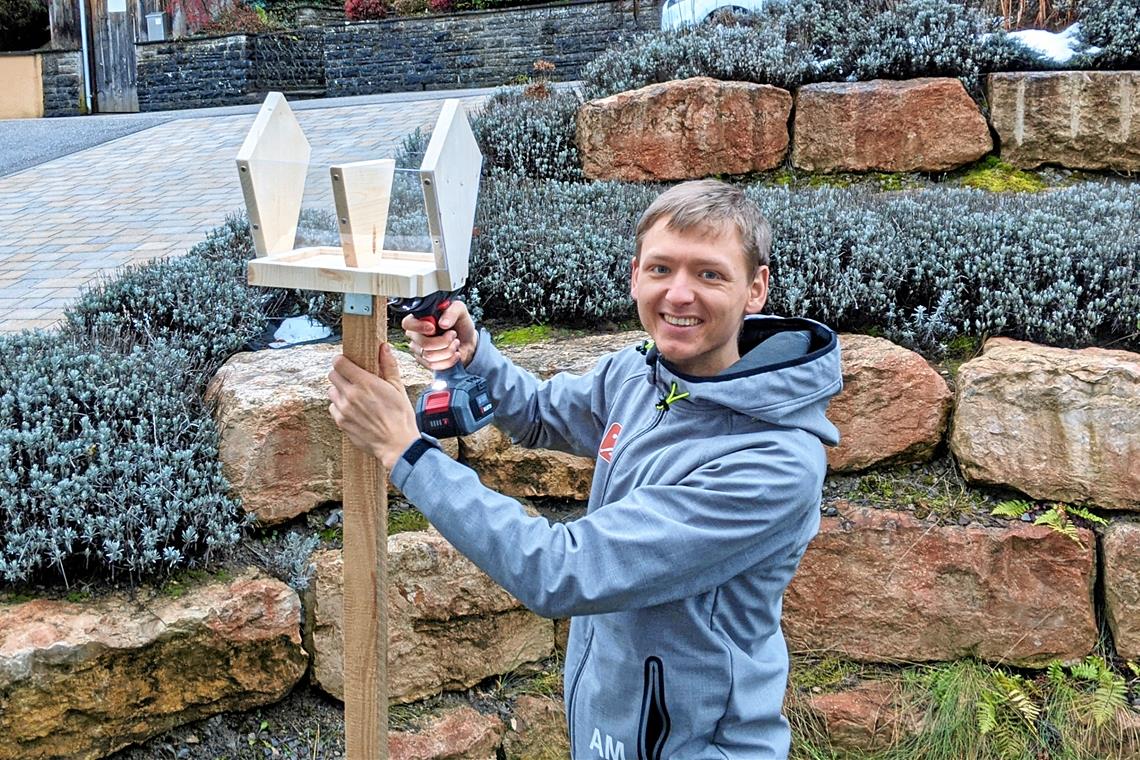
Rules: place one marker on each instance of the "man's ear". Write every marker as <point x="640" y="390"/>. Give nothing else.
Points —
<point x="633" y="278"/>
<point x="757" y="292"/>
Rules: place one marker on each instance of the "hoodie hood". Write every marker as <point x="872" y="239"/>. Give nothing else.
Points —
<point x="787" y="373"/>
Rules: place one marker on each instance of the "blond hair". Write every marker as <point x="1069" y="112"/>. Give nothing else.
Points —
<point x="709" y="207"/>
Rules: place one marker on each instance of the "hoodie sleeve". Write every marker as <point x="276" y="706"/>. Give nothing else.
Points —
<point x="565" y="413"/>
<point x="659" y="544"/>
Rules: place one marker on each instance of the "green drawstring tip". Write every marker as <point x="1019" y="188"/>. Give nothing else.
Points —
<point x="663" y="404"/>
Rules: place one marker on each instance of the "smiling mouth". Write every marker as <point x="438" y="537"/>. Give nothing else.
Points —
<point x="681" y="321"/>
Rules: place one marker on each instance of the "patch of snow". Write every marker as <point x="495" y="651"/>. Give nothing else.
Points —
<point x="299" y="330"/>
<point x="1054" y="46"/>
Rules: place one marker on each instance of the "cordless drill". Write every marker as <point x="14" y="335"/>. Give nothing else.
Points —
<point x="457" y="402"/>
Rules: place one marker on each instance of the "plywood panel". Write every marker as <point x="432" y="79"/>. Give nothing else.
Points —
<point x="361" y="192"/>
<point x="406" y="274"/>
<point x="450" y="172"/>
<point x="272" y="163"/>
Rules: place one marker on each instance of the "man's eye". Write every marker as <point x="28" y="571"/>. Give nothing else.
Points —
<point x="710" y="275"/>
<point x="659" y="269"/>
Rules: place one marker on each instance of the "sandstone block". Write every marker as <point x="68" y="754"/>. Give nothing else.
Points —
<point x="521" y="472"/>
<point x="1121" y="552"/>
<point x="279" y="447"/>
<point x="1078" y="119"/>
<point x="1056" y="424"/>
<point x="925" y="125"/>
<point x="449" y="625"/>
<point x="538" y="730"/>
<point x="686" y="129"/>
<point x="461" y="733"/>
<point x="865" y="718"/>
<point x="517" y="471"/>
<point x="893" y="406"/>
<point x="82" y="680"/>
<point x="883" y="586"/>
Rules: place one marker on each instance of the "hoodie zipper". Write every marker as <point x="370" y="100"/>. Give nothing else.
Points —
<point x="617" y="454"/>
<point x="572" y="702"/>
<point x="662" y="407"/>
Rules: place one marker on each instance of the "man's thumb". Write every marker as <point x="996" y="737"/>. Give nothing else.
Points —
<point x="389" y="367"/>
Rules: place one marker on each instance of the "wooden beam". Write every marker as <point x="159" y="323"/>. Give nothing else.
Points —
<point x="365" y="623"/>
<point x="406" y="274"/>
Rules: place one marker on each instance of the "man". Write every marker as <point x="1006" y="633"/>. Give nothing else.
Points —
<point x="709" y="445"/>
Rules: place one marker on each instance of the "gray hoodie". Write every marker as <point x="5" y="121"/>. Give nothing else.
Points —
<point x="705" y="494"/>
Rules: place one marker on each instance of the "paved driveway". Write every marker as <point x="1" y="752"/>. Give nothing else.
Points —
<point x="99" y="195"/>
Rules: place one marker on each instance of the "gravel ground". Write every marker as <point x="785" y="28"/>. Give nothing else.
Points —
<point x="306" y="725"/>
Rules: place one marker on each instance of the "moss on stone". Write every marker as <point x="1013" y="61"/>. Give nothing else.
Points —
<point x="994" y="175"/>
<point x="521" y="336"/>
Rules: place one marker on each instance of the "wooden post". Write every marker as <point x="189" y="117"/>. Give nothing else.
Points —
<point x="365" y="623"/>
<point x="272" y="164"/>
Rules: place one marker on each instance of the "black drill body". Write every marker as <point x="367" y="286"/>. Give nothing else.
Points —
<point x="457" y="403"/>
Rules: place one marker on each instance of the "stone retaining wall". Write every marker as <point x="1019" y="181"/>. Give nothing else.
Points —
<point x="62" y="75"/>
<point x="291" y="62"/>
<point x="476" y="49"/>
<point x="1085" y="120"/>
<point x="215" y="71"/>
<point x="876" y="585"/>
<point x="472" y="49"/>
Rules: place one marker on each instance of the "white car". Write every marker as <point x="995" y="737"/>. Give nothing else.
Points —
<point x="679" y="13"/>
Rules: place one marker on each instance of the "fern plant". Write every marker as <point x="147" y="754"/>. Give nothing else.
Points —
<point x="1057" y="516"/>
<point x="1007" y="713"/>
<point x="1013" y="508"/>
<point x="1105" y="692"/>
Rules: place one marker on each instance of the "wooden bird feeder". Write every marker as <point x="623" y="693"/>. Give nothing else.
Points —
<point x="272" y="165"/>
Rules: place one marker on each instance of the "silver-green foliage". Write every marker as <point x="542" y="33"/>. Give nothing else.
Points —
<point x="791" y="44"/>
<point x="108" y="461"/>
<point x="554" y="251"/>
<point x="921" y="267"/>
<point x="199" y="301"/>
<point x="521" y="134"/>
<point x="530" y="136"/>
<point x="1114" y="27"/>
<point x="1047" y="267"/>
<point x="293" y="562"/>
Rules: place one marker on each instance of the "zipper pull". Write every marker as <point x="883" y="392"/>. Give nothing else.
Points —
<point x="666" y="401"/>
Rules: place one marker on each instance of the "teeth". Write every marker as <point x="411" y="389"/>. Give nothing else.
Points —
<point x="681" y="321"/>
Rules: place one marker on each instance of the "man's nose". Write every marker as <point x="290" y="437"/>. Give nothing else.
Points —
<point x="680" y="289"/>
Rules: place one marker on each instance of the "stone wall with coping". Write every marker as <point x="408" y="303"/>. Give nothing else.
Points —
<point x="471" y="49"/>
<point x="292" y="61"/>
<point x="61" y="72"/>
<point x="215" y="71"/>
<point x="476" y="48"/>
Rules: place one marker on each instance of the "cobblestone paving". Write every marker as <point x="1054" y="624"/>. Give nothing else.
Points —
<point x="70" y="221"/>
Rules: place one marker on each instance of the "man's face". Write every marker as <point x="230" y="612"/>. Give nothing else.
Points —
<point x="692" y="292"/>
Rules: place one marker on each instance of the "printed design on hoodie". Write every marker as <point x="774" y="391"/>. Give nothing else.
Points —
<point x="609" y="443"/>
<point x="653" y="728"/>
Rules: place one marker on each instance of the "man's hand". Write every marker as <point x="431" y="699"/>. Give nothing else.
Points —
<point x="374" y="412"/>
<point x="456" y="343"/>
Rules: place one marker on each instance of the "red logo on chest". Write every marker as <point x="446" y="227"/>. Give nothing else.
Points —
<point x="606" y="450"/>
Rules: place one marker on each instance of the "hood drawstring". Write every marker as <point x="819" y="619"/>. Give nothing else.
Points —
<point x="664" y="404"/>
<point x="649" y="349"/>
